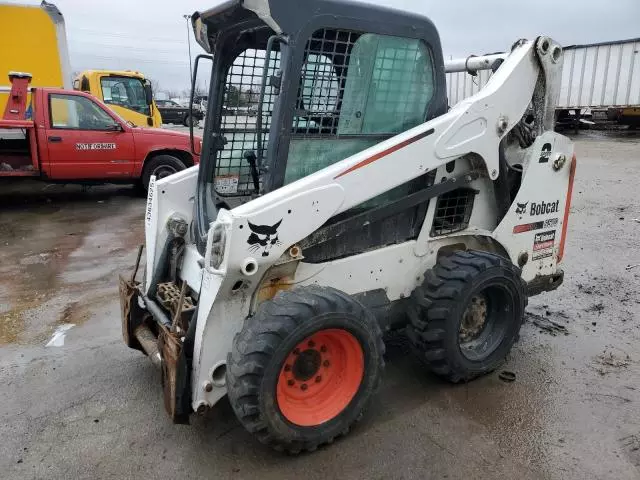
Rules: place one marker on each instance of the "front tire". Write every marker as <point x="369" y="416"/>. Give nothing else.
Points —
<point x="188" y="120"/>
<point x="304" y="367"/>
<point x="467" y="314"/>
<point x="161" y="166"/>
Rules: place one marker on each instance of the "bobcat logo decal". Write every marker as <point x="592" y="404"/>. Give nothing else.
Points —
<point x="522" y="207"/>
<point x="263" y="238"/>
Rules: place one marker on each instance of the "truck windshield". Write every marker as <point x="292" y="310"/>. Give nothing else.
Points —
<point x="125" y="92"/>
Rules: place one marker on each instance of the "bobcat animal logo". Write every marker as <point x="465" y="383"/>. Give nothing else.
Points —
<point x="263" y="238"/>
<point x="522" y="207"/>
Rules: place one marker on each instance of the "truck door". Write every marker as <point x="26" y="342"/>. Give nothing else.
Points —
<point x="85" y="141"/>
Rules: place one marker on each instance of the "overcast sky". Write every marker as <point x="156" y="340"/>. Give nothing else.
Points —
<point x="151" y="36"/>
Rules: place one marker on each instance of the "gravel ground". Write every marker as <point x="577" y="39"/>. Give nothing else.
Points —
<point x="91" y="408"/>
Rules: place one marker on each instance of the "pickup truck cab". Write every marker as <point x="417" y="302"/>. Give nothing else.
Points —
<point x="72" y="137"/>
<point x="172" y="112"/>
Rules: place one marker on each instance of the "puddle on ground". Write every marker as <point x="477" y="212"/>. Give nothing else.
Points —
<point x="57" y="256"/>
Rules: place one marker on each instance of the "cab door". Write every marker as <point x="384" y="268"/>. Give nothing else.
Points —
<point x="85" y="141"/>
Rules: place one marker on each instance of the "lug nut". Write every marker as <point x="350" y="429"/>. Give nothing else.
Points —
<point x="291" y="383"/>
<point x="287" y="368"/>
<point x="323" y="349"/>
<point x="318" y="379"/>
<point x="311" y="344"/>
<point x="326" y="363"/>
<point x="303" y="387"/>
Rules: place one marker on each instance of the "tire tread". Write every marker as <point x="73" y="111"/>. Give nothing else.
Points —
<point x="431" y="305"/>
<point x="260" y="337"/>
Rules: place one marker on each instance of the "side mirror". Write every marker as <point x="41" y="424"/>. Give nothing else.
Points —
<point x="148" y="93"/>
<point x="116" y="127"/>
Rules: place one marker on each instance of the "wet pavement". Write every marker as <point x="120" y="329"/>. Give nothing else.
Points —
<point x="91" y="408"/>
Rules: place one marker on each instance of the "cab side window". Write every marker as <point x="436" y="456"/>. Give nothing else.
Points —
<point x="73" y="112"/>
<point x="355" y="91"/>
<point x="125" y="92"/>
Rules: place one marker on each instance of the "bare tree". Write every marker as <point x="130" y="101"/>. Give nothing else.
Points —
<point x="155" y="86"/>
<point x="251" y="95"/>
<point x="199" y="91"/>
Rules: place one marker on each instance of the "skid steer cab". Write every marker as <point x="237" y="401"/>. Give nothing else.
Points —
<point x="339" y="197"/>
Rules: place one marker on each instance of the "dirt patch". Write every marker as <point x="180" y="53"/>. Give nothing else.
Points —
<point x="546" y="324"/>
<point x="12" y="323"/>
<point x="631" y="445"/>
<point x="610" y="362"/>
<point x="595" y="308"/>
<point x="74" y="313"/>
<point x="53" y="256"/>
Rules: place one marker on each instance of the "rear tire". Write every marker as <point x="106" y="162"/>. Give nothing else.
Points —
<point x="467" y="314"/>
<point x="161" y="166"/>
<point x="304" y="367"/>
<point x="188" y="119"/>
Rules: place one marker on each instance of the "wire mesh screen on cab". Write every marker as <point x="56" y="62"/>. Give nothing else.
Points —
<point x="355" y="90"/>
<point x="238" y="122"/>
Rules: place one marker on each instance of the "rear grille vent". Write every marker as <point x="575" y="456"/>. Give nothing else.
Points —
<point x="453" y="211"/>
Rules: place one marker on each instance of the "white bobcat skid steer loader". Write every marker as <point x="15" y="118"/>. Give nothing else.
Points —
<point x="338" y="197"/>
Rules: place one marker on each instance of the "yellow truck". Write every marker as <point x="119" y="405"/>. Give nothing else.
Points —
<point x="34" y="40"/>
<point x="126" y="92"/>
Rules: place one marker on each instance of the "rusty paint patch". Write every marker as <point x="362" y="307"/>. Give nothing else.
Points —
<point x="175" y="375"/>
<point x="270" y="288"/>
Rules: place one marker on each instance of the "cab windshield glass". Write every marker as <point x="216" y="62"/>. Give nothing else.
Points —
<point x="125" y="92"/>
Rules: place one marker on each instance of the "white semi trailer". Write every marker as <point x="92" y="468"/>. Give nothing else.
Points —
<point x="599" y="78"/>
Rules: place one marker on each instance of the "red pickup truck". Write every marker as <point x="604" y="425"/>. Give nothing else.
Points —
<point x="71" y="137"/>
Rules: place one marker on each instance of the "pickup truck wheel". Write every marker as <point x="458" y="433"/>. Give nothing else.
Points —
<point x="161" y="166"/>
<point x="188" y="120"/>
<point x="467" y="314"/>
<point x="304" y="367"/>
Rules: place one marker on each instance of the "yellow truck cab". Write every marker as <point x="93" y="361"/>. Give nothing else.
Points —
<point x="126" y="92"/>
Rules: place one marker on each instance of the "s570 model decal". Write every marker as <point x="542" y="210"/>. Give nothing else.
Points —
<point x="528" y="227"/>
<point x="95" y="146"/>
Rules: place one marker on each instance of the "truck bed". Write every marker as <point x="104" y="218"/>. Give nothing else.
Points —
<point x="18" y="151"/>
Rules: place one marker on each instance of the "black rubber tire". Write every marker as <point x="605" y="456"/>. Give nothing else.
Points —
<point x="261" y="347"/>
<point x="436" y="310"/>
<point x="152" y="164"/>
<point x="188" y="119"/>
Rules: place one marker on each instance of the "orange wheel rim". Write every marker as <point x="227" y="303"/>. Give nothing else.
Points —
<point x="320" y="377"/>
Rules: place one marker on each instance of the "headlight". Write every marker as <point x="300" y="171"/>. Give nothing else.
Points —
<point x="218" y="240"/>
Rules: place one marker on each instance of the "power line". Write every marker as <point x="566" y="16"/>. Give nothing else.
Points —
<point x="151" y="49"/>
<point x="103" y="33"/>
<point x="156" y="61"/>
